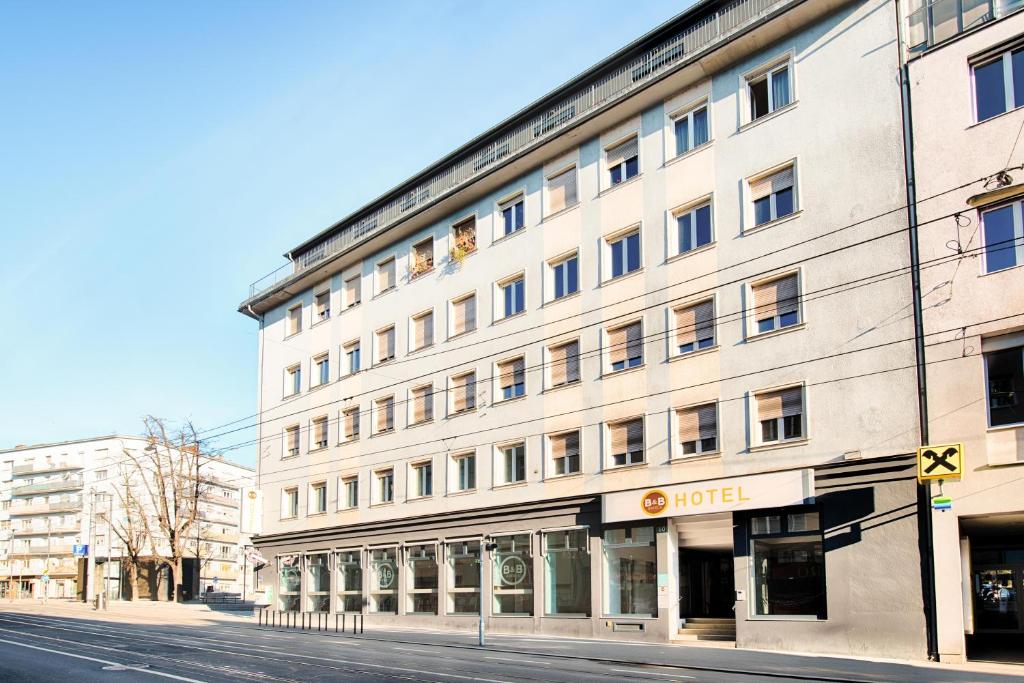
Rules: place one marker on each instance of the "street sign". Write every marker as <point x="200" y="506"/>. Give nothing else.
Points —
<point x="45" y="578"/>
<point x="942" y="503"/>
<point x="80" y="550"/>
<point x="945" y="461"/>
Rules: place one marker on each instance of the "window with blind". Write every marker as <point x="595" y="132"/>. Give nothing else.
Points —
<point x="512" y="466"/>
<point x="463" y="390"/>
<point x="352" y="291"/>
<point x="776" y="303"/>
<point x="513" y="296"/>
<point x="422" y="404"/>
<point x="512" y="219"/>
<point x="565" y="363"/>
<point x="422" y="330"/>
<point x="291" y="440"/>
<point x="322" y="305"/>
<point x="385" y="417"/>
<point x="623" y="161"/>
<point x="465" y="471"/>
<point x="319" y="432"/>
<point x="423" y="479"/>
<point x="698" y="429"/>
<point x="290" y="503"/>
<point x="565" y="453"/>
<point x="694" y="227"/>
<point x="695" y="327"/>
<point x="691" y="129"/>
<point x="512" y="378"/>
<point x="350" y="493"/>
<point x="626" y="442"/>
<point x="350" y="424"/>
<point x="463" y="239"/>
<point x="385" y="275"/>
<point x="352" y="357"/>
<point x="769" y="91"/>
<point x="999" y="83"/>
<point x="565" y="276"/>
<point x="1005" y="373"/>
<point x="781" y="415"/>
<point x="772" y="196"/>
<point x="463" y="315"/>
<point x="1003" y="235"/>
<point x="624" y="253"/>
<point x="625" y="347"/>
<point x="323" y="369"/>
<point x="386" y="344"/>
<point x="294" y="320"/>
<point x="562" y="190"/>
<point x="318" y="498"/>
<point x="422" y="258"/>
<point x="293" y="380"/>
<point x="385" y="486"/>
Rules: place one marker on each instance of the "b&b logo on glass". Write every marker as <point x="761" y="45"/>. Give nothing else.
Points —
<point x="513" y="570"/>
<point x="654" y="502"/>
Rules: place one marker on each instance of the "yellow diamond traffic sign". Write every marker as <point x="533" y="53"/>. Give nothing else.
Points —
<point x="945" y="461"/>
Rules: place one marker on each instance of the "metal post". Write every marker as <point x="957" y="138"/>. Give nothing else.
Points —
<point x="46" y="570"/>
<point x="90" y="562"/>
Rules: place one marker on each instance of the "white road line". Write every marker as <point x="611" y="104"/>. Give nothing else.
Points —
<point x="412" y="649"/>
<point x="645" y="672"/>
<point x="518" y="660"/>
<point x="119" y="665"/>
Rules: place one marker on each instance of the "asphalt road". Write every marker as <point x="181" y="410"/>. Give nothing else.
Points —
<point x="35" y="647"/>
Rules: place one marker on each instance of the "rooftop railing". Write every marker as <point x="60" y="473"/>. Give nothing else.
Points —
<point x="934" y="21"/>
<point x="590" y="96"/>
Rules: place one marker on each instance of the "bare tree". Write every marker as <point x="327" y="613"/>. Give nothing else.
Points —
<point x="129" y="525"/>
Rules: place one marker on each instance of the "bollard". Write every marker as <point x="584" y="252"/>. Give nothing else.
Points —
<point x="335" y="622"/>
<point x="343" y="618"/>
<point x="362" y="623"/>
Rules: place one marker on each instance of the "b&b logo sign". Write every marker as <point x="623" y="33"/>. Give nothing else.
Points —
<point x="654" y="502"/>
<point x="513" y="570"/>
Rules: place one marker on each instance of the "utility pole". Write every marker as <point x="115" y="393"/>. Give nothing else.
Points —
<point x="46" y="570"/>
<point x="485" y="548"/>
<point x="90" y="562"/>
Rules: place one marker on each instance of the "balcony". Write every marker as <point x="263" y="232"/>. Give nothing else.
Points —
<point x="218" y="500"/>
<point x="54" y="486"/>
<point x="52" y="550"/>
<point x="42" y="531"/>
<point x="44" y="508"/>
<point x="20" y="470"/>
<point x="936" y="21"/>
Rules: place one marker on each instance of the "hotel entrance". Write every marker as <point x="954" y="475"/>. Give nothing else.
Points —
<point x="996" y="576"/>
<point x="707" y="595"/>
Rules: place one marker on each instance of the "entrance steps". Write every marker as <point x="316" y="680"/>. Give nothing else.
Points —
<point x="707" y="628"/>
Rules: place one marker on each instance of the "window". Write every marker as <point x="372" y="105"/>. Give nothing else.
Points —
<point x="386" y="344"/>
<point x="768" y="91"/>
<point x="999" y="84"/>
<point x="781" y="415"/>
<point x="322" y="305"/>
<point x="625" y="347"/>
<point x="463" y="315"/>
<point x="626" y="442"/>
<point x="100" y="476"/>
<point x="319" y="432"/>
<point x="383" y="580"/>
<point x="562" y="190"/>
<point x="698" y="429"/>
<point x="423" y="478"/>
<point x="318" y="583"/>
<point x="350" y="423"/>
<point x="695" y="327"/>
<point x="463" y="239"/>
<point x="513" y="295"/>
<point x="422" y="584"/>
<point x="291" y="440"/>
<point x="565" y="363"/>
<point x="512" y="378"/>
<point x="422" y="330"/>
<point x="625" y="253"/>
<point x="565" y="453"/>
<point x="349" y="568"/>
<point x="513" y="463"/>
<point x="775" y="303"/>
<point x="293" y="380"/>
<point x="352" y="357"/>
<point x="694" y="226"/>
<point x="290" y="503"/>
<point x="1004" y="235"/>
<point x="289" y="581"/>
<point x="465" y="471"/>
<point x="788" y="565"/>
<point x="349" y="493"/>
<point x="386" y="275"/>
<point x="422" y="258"/>
<point x="565" y="276"/>
<point x="385" y="486"/>
<point x="512" y="575"/>
<point x="623" y="161"/>
<point x="318" y="498"/>
<point x="352" y="291"/>
<point x="464" y="572"/>
<point x="1005" y="371"/>
<point x="294" y="320"/>
<point x="691" y="129"/>
<point x="566" y="573"/>
<point x="512" y="219"/>
<point x="772" y="196"/>
<point x="385" y="408"/>
<point x="422" y="404"/>
<point x="323" y="369"/>
<point x="463" y="393"/>
<point x="631" y="571"/>
<point x="933" y="21"/>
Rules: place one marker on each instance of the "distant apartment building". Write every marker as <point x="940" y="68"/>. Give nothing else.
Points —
<point x="56" y="496"/>
<point x="634" y="364"/>
<point x="966" y="68"/>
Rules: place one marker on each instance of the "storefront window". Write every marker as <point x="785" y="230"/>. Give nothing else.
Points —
<point x="384" y="580"/>
<point x="513" y="576"/>
<point x="631" y="572"/>
<point x="789" y="565"/>
<point x="318" y="588"/>
<point x="289" y="573"/>
<point x="464" y="577"/>
<point x="350" y="581"/>
<point x="422" y="588"/>
<point x="567" y="573"/>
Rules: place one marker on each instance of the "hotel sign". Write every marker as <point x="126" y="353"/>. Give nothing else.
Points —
<point x="750" y="492"/>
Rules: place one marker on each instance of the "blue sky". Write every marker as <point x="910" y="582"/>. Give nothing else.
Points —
<point x="155" y="158"/>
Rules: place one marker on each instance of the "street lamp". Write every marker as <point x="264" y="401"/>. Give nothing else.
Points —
<point x="484" y="548"/>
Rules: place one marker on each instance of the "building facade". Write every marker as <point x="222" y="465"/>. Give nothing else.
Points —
<point x="633" y="364"/>
<point x="56" y="496"/>
<point x="966" y="68"/>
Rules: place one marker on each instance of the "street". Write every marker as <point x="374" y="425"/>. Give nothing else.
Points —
<point x="38" y="645"/>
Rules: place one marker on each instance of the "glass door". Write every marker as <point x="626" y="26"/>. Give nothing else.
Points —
<point x="997" y="607"/>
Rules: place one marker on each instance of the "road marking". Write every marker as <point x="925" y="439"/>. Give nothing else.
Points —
<point x="412" y="649"/>
<point x="645" y="672"/>
<point x="518" y="661"/>
<point x="110" y="664"/>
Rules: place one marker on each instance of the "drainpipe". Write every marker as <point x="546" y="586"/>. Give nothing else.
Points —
<point x="923" y="490"/>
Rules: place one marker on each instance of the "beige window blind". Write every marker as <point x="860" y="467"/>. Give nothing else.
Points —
<point x="621" y="152"/>
<point x="351" y="423"/>
<point x="511" y="372"/>
<point x="423" y="255"/>
<point x="627" y="437"/>
<point x="386" y="344"/>
<point x="565" y="363"/>
<point x="775" y="298"/>
<point x="624" y="343"/>
<point x="386" y="275"/>
<point x="565" y="447"/>
<point x="293" y="439"/>
<point x="385" y="414"/>
<point x="784" y="403"/>
<point x="423" y="330"/>
<point x="695" y="322"/>
<point x="464" y="313"/>
<point x="762" y="187"/>
<point x="562" y="190"/>
<point x="699" y="422"/>
<point x="295" y="320"/>
<point x="320" y="430"/>
<point x="422" y="404"/>
<point x="464" y="392"/>
<point x="352" y="293"/>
